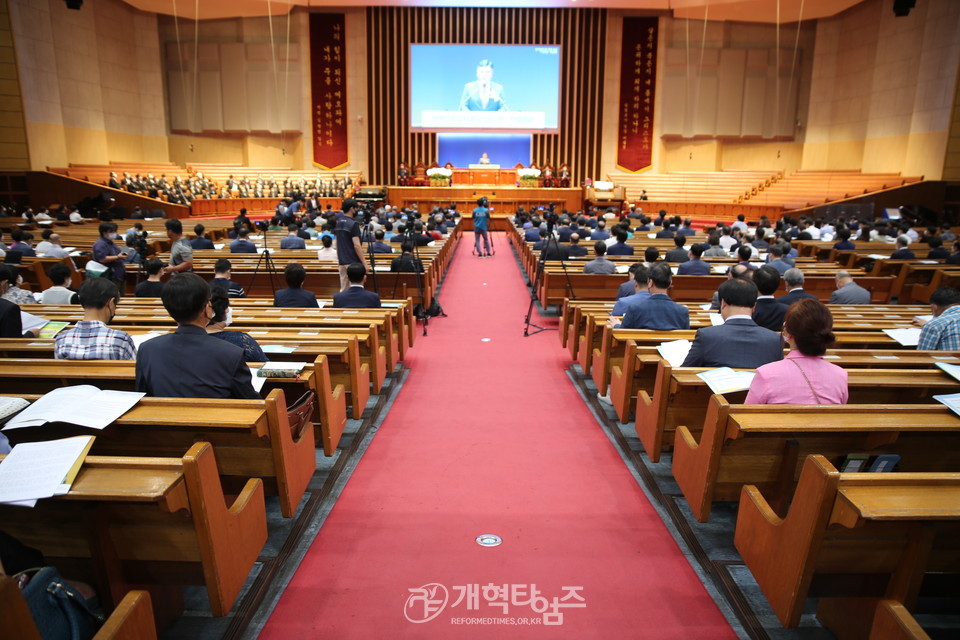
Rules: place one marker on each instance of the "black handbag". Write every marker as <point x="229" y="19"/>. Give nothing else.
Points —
<point x="58" y="610"/>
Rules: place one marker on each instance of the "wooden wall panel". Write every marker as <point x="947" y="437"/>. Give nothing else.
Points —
<point x="580" y="32"/>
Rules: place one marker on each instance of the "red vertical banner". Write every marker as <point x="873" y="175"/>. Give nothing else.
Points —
<point x="328" y="82"/>
<point x="638" y="85"/>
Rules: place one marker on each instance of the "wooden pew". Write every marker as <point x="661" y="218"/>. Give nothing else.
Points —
<point x="131" y="620"/>
<point x="252" y="439"/>
<point x="887" y="529"/>
<point x="761" y="444"/>
<point x="152" y="521"/>
<point x="680" y="397"/>
<point x="892" y="621"/>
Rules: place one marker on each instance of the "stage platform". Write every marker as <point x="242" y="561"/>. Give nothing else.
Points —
<point x="503" y="199"/>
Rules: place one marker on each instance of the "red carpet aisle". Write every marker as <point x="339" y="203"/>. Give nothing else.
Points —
<point x="491" y="437"/>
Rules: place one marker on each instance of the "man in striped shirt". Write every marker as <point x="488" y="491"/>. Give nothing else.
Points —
<point x="91" y="338"/>
<point x="943" y="332"/>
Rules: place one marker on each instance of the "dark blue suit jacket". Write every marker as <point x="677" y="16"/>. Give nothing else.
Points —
<point x="242" y="246"/>
<point x="736" y="343"/>
<point x="356" y="297"/>
<point x="294" y="298"/>
<point x="656" y="312"/>
<point x="793" y="296"/>
<point x="769" y="314"/>
<point x="189" y="363"/>
<point x="201" y="243"/>
<point x="695" y="267"/>
<point x="619" y="249"/>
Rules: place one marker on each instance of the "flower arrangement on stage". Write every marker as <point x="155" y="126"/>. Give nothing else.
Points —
<point x="528" y="177"/>
<point x="439" y="176"/>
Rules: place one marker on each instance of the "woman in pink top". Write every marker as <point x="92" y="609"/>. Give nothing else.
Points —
<point x="803" y="377"/>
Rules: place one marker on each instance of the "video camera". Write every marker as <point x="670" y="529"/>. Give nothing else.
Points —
<point x="261" y="225"/>
<point x="551" y="217"/>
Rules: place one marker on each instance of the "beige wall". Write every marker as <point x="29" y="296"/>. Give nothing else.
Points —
<point x="883" y="89"/>
<point x="951" y="165"/>
<point x="90" y="95"/>
<point x="14" y="154"/>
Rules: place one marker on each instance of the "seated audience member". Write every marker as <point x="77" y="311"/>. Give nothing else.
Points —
<point x="91" y="338"/>
<point x="242" y="244"/>
<point x="657" y="311"/>
<point x="221" y="278"/>
<point x="60" y="293"/>
<point x="555" y="251"/>
<point x="601" y="233"/>
<point x="201" y="241"/>
<point x="189" y="363"/>
<point x="665" y="231"/>
<point x="638" y="288"/>
<point x="739" y="341"/>
<point x="55" y="247"/>
<point x="628" y="288"/>
<point x="687" y="228"/>
<point x="793" y="281"/>
<point x="848" y="291"/>
<point x="379" y="246"/>
<point x="44" y="244"/>
<point x="650" y="256"/>
<point x="777" y="260"/>
<point x="937" y="250"/>
<point x="678" y="253"/>
<point x="768" y="312"/>
<point x="600" y="264"/>
<point x="294" y="295"/>
<point x="744" y="253"/>
<point x="902" y="252"/>
<point x="942" y="333"/>
<point x="222" y="318"/>
<point x="406" y="261"/>
<point x="21" y="243"/>
<point x="759" y="242"/>
<point x="803" y="377"/>
<point x="736" y="271"/>
<point x="844" y="244"/>
<point x="694" y="266"/>
<point x="715" y="250"/>
<point x="152" y="287"/>
<point x="356" y="297"/>
<point x="328" y="253"/>
<point x="13" y="293"/>
<point x="11" y="325"/>
<point x="955" y="256"/>
<point x="575" y="250"/>
<point x="293" y="239"/>
<point x="620" y="247"/>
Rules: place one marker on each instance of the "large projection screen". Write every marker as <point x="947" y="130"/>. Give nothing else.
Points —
<point x="484" y="87"/>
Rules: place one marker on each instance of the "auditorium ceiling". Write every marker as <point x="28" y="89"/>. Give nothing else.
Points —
<point x="738" y="10"/>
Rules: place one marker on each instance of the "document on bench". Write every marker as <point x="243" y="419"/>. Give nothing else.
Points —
<point x="140" y="338"/>
<point x="674" y="351"/>
<point x="623" y="268"/>
<point x="83" y="405"/>
<point x="906" y="337"/>
<point x="277" y="348"/>
<point x="30" y="322"/>
<point x="34" y="470"/>
<point x="257" y="381"/>
<point x="952" y="401"/>
<point x="715" y="319"/>
<point x="726" y="380"/>
<point x="952" y="369"/>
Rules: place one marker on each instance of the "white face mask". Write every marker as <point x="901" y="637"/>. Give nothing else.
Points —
<point x="228" y="317"/>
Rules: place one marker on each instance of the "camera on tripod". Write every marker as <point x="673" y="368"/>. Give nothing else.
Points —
<point x="261" y="225"/>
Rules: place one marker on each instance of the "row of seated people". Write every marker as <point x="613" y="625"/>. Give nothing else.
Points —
<point x="548" y="177"/>
<point x="197" y="186"/>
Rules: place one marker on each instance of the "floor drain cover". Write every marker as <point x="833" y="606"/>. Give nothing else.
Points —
<point x="484" y="339"/>
<point x="489" y="540"/>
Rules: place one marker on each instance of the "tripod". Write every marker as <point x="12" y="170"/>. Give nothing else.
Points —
<point x="265" y="261"/>
<point x="425" y="305"/>
<point x="541" y="268"/>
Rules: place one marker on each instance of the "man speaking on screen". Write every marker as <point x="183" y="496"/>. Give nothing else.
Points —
<point x="483" y="94"/>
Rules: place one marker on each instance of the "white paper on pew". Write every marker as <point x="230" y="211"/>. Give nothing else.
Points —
<point x="726" y="380"/>
<point x="258" y="333"/>
<point x="877" y="256"/>
<point x="83" y="405"/>
<point x="886" y="357"/>
<point x="140" y="338"/>
<point x="38" y="344"/>
<point x="952" y="400"/>
<point x="923" y="319"/>
<point x="945" y="357"/>
<point x="74" y="254"/>
<point x="706" y="307"/>
<point x="219" y="246"/>
<point x="381" y="267"/>
<point x="321" y="303"/>
<point x="274" y="310"/>
<point x="906" y="337"/>
<point x="334" y="319"/>
<point x="651" y="235"/>
<point x="623" y="268"/>
<point x="288" y="319"/>
<point x="257" y="381"/>
<point x="952" y="369"/>
<point x="716" y="319"/>
<point x="276" y="348"/>
<point x="675" y="270"/>
<point x="30" y="321"/>
<point x="311" y="311"/>
<point x="391" y="305"/>
<point x="832" y="357"/>
<point x="928" y="262"/>
<point x="719" y="268"/>
<point x="35" y="470"/>
<point x="308" y="333"/>
<point x="349" y="311"/>
<point x="859" y="315"/>
<point x="674" y="351"/>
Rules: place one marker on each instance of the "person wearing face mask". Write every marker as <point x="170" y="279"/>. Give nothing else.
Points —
<point x="91" y="338"/>
<point x="222" y="318"/>
<point x="14" y="293"/>
<point x="60" y="292"/>
<point x="11" y="325"/>
<point x="190" y="363"/>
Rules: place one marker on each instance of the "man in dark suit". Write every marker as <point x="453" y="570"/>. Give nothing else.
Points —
<point x="241" y="244"/>
<point x="190" y="363"/>
<point x="768" y="312"/>
<point x="793" y="282"/>
<point x="738" y="342"/>
<point x="902" y="252"/>
<point x="665" y="231"/>
<point x="678" y="253"/>
<point x="575" y="250"/>
<point x="356" y="297"/>
<point x="379" y="246"/>
<point x="483" y="94"/>
<point x="294" y="295"/>
<point x="620" y="247"/>
<point x="628" y="288"/>
<point x="694" y="266"/>
<point x="601" y="233"/>
<point x="200" y="242"/>
<point x="657" y="311"/>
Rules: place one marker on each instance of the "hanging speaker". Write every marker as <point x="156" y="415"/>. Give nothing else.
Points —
<point x="901" y="8"/>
